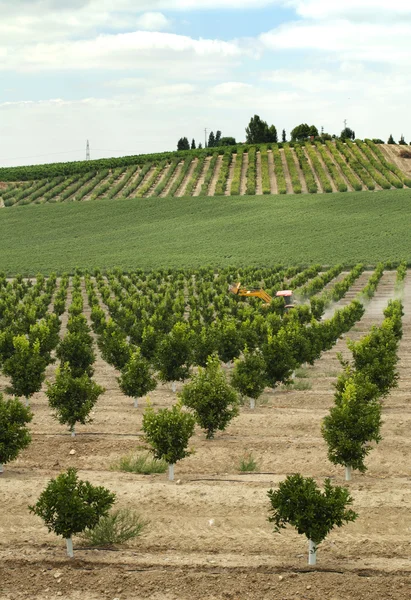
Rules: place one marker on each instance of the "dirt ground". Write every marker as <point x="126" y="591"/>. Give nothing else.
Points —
<point x="208" y="536"/>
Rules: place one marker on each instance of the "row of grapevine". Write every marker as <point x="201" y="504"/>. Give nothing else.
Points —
<point x="332" y="165"/>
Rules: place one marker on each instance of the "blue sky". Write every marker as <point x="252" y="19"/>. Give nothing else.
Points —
<point x="137" y="78"/>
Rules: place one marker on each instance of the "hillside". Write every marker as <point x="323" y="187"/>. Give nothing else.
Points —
<point x="233" y="171"/>
<point x="181" y="232"/>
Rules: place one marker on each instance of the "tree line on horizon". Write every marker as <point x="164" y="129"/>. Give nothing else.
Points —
<point x="260" y="132"/>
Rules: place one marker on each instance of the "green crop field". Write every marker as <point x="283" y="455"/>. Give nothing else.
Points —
<point x="185" y="232"/>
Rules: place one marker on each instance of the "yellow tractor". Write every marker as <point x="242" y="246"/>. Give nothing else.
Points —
<point x="260" y="293"/>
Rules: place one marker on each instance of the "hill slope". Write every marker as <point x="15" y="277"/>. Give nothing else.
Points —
<point x="177" y="232"/>
<point x="246" y="170"/>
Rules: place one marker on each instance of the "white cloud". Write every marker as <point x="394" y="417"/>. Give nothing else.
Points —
<point x="140" y="49"/>
<point x="230" y="87"/>
<point x="153" y="21"/>
<point x="377" y="43"/>
<point x="355" y="10"/>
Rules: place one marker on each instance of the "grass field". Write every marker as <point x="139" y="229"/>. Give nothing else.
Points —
<point x="176" y="232"/>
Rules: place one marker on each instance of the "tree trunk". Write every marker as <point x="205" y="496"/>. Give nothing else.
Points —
<point x="348" y="473"/>
<point x="69" y="544"/>
<point x="135" y="402"/>
<point x="312" y="553"/>
<point x="1" y="469"/>
<point x="73" y="432"/>
<point x="174" y="387"/>
<point x="252" y="403"/>
<point x="27" y="402"/>
<point x="171" y="472"/>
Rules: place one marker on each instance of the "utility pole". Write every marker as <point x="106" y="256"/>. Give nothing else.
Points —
<point x="205" y="137"/>
<point x="88" y="150"/>
<point x="345" y="123"/>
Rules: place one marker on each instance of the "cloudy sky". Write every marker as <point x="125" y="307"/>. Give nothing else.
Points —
<point x="135" y="75"/>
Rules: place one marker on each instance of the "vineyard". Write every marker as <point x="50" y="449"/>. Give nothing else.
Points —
<point x="207" y="534"/>
<point x="313" y="168"/>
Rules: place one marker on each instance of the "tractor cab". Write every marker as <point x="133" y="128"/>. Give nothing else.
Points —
<point x="288" y="298"/>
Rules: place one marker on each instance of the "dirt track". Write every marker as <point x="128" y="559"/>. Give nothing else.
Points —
<point x="183" y="557"/>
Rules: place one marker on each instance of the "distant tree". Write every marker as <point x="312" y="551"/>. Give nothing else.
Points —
<point x="313" y="131"/>
<point x="402" y="141"/>
<point x="193" y="144"/>
<point x="183" y="144"/>
<point x="249" y="376"/>
<point x="284" y="137"/>
<point x="136" y="378"/>
<point x="211" y="140"/>
<point x="258" y="132"/>
<point x="228" y="141"/>
<point x="300" y="133"/>
<point x="200" y="146"/>
<point x="218" y="138"/>
<point x="68" y="506"/>
<point x="391" y="140"/>
<point x="378" y="141"/>
<point x="347" y="134"/>
<point x="26" y="367"/>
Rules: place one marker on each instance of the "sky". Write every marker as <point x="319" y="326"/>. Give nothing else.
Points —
<point x="133" y="76"/>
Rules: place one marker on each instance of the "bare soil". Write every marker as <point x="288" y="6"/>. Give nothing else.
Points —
<point x="202" y="176"/>
<point x="208" y="536"/>
<point x="146" y="178"/>
<point x="337" y="166"/>
<point x="392" y="154"/>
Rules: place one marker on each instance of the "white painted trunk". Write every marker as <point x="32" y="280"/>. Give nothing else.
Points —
<point x="174" y="387"/>
<point x="252" y="403"/>
<point x="73" y="433"/>
<point x="171" y="472"/>
<point x="293" y="375"/>
<point x="27" y="403"/>
<point x="312" y="553"/>
<point x="348" y="473"/>
<point x="1" y="469"/>
<point x="69" y="544"/>
<point x="135" y="402"/>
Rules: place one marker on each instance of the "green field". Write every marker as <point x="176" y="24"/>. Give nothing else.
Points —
<point x="181" y="232"/>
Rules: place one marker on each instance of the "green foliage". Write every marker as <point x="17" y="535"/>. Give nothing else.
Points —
<point x="69" y="505"/>
<point x="352" y="424"/>
<point x="174" y="355"/>
<point x="332" y="169"/>
<point x="75" y="350"/>
<point x="213" y="400"/>
<point x="318" y="168"/>
<point x="301" y="504"/>
<point x="347" y="134"/>
<point x="249" y="374"/>
<point x="251" y="172"/>
<point x="26" y="367"/>
<point x="223" y="174"/>
<point x="214" y="233"/>
<point x="143" y="464"/>
<point x="265" y="175"/>
<point x="356" y="165"/>
<point x="113" y="346"/>
<point x="183" y="144"/>
<point x="136" y="378"/>
<point x="278" y="171"/>
<point x="248" y="464"/>
<point x="236" y="182"/>
<point x="168" y="432"/>
<point x="72" y="398"/>
<point x="391" y="140"/>
<point x="303" y="132"/>
<point x="118" y="527"/>
<point x="307" y="171"/>
<point x="258" y="131"/>
<point x="373" y="281"/>
<point x="14" y="435"/>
